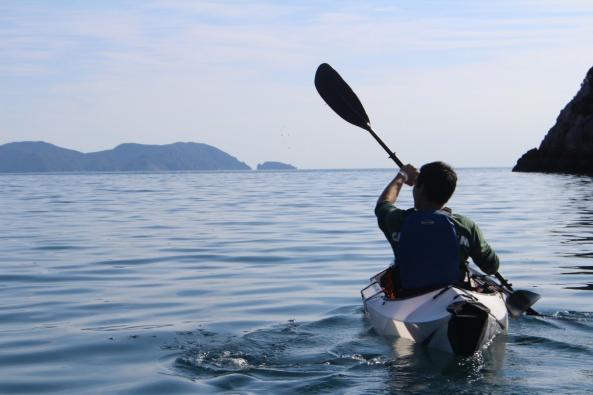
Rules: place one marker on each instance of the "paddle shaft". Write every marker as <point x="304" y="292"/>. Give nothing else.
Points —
<point x="503" y="281"/>
<point x="507" y="285"/>
<point x="385" y="147"/>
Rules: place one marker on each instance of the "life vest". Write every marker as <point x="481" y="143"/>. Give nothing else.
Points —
<point x="428" y="252"/>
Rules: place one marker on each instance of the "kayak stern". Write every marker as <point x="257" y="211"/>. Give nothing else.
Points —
<point x="451" y="319"/>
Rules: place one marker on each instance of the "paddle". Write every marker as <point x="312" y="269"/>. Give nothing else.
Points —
<point x="520" y="301"/>
<point x="342" y="99"/>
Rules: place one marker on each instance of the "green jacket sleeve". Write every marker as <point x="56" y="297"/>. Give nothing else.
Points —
<point x="382" y="211"/>
<point x="481" y="252"/>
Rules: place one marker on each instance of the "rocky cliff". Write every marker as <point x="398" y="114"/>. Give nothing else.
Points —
<point x="568" y="146"/>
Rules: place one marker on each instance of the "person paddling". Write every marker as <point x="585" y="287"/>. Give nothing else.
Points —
<point x="431" y="244"/>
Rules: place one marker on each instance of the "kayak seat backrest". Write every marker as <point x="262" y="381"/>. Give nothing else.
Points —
<point x="428" y="253"/>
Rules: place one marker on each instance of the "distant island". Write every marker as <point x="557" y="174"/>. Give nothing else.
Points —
<point x="275" y="166"/>
<point x="568" y="145"/>
<point x="38" y="156"/>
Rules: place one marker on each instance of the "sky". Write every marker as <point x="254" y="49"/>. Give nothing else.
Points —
<point x="473" y="83"/>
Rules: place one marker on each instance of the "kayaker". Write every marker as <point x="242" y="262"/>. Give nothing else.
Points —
<point x="430" y="243"/>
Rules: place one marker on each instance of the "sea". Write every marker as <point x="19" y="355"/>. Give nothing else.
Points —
<point x="249" y="282"/>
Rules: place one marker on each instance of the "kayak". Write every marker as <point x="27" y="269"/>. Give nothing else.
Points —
<point x="455" y="319"/>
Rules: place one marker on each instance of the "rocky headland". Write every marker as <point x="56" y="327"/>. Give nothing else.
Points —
<point x="275" y="166"/>
<point x="39" y="156"/>
<point x="568" y="145"/>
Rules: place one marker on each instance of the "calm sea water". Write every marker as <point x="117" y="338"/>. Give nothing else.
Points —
<point x="249" y="282"/>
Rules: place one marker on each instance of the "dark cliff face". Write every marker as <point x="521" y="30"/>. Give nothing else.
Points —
<point x="568" y="146"/>
<point x="43" y="157"/>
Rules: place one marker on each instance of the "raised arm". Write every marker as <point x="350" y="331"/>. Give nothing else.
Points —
<point x="407" y="175"/>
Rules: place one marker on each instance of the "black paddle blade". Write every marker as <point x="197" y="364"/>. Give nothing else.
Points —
<point x="340" y="97"/>
<point x="520" y="302"/>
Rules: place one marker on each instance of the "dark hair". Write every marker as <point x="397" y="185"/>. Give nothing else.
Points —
<point x="438" y="181"/>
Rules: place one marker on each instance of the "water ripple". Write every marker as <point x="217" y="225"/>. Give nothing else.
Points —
<point x="174" y="283"/>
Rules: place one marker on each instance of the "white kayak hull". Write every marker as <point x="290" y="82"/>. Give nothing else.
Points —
<point x="450" y="319"/>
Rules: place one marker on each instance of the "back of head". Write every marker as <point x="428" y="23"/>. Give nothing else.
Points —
<point x="438" y="181"/>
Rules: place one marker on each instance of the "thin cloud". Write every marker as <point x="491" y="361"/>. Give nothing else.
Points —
<point x="223" y="72"/>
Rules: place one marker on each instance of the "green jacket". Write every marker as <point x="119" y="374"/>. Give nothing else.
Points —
<point x="471" y="240"/>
